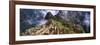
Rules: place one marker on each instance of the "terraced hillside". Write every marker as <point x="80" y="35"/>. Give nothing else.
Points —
<point x="54" y="25"/>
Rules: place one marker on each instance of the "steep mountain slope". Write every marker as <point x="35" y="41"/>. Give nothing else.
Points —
<point x="55" y="25"/>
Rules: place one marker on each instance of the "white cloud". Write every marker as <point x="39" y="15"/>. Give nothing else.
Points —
<point x="54" y="12"/>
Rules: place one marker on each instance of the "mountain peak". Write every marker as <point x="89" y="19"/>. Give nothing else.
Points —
<point x="48" y="15"/>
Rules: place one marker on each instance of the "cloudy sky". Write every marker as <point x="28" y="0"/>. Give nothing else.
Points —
<point x="36" y="16"/>
<point x="54" y="12"/>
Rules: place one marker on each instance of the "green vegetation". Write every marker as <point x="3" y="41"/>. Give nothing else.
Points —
<point x="55" y="25"/>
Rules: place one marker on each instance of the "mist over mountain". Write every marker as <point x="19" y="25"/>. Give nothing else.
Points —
<point x="77" y="17"/>
<point x="34" y="17"/>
